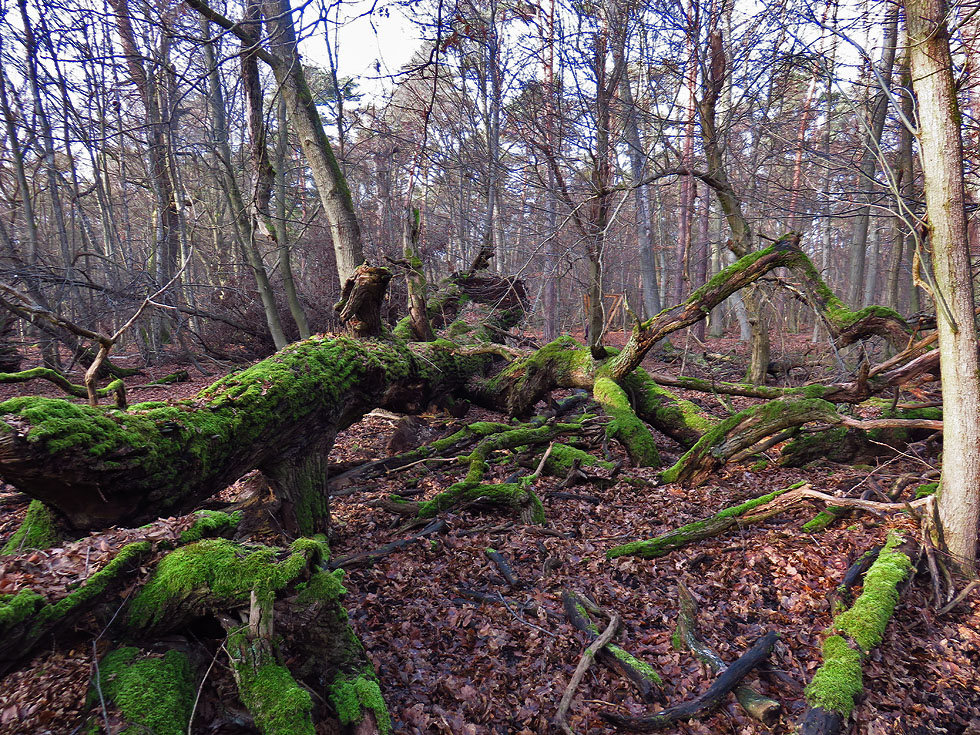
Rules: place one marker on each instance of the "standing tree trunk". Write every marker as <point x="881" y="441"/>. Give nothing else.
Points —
<point x="869" y="159"/>
<point x="942" y="165"/>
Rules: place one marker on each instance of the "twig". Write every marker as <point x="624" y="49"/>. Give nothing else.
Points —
<point x="519" y="619"/>
<point x="200" y="688"/>
<point x="960" y="597"/>
<point x="583" y="666"/>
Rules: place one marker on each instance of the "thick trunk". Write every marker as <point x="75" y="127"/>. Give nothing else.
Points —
<point x="942" y="164"/>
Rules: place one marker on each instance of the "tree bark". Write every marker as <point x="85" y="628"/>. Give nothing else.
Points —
<point x="942" y="164"/>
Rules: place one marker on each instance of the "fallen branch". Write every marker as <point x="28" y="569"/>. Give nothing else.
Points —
<point x="583" y="666"/>
<point x="367" y="558"/>
<point x="854" y="633"/>
<point x="752" y="511"/>
<point x="708" y="701"/>
<point x="644" y="678"/>
<point x="760" y="707"/>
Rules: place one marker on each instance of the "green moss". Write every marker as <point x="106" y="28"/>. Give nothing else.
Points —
<point x="662" y="545"/>
<point x="823" y="519"/>
<point x="352" y="696"/>
<point x="866" y="620"/>
<point x="929" y="488"/>
<point x="838" y="681"/>
<point x="678" y="418"/>
<point x="322" y="587"/>
<point x="211" y="523"/>
<point x="155" y="694"/>
<point x="562" y="457"/>
<point x="17" y="608"/>
<point x="278" y="704"/>
<point x="630" y="660"/>
<point x="625" y="426"/>
<point x="39" y="530"/>
<point x="227" y="570"/>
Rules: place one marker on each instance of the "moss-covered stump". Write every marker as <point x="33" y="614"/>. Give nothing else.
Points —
<point x="743" y="431"/>
<point x="854" y="633"/>
<point x="39" y="530"/>
<point x="624" y="425"/>
<point x="153" y="694"/>
<point x="27" y="617"/>
<point x="751" y="511"/>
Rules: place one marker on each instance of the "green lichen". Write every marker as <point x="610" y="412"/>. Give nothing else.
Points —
<point x="867" y="618"/>
<point x="211" y="523"/>
<point x="625" y="426"/>
<point x="351" y="697"/>
<point x="155" y="694"/>
<point x="39" y="530"/>
<point x="227" y="570"/>
<point x="838" y="681"/>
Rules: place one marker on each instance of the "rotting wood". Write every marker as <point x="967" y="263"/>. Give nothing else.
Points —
<point x="758" y="706"/>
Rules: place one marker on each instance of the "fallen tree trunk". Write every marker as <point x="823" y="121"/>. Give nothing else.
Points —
<point x="854" y="633"/>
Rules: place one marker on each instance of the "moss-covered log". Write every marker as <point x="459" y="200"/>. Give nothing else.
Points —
<point x="743" y="431"/>
<point x="624" y="425"/>
<point x="751" y="511"/>
<point x="99" y="467"/>
<point x="853" y="634"/>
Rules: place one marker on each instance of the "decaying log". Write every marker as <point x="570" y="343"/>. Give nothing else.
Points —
<point x="854" y="633"/>
<point x="643" y="677"/>
<point x="708" y="701"/>
<point x="26" y="618"/>
<point x="752" y="511"/>
<point x="758" y="706"/>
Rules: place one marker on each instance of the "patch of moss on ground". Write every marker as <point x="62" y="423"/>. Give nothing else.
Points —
<point x="154" y="694"/>
<point x="926" y="490"/>
<point x="39" y="530"/>
<point x="17" y="608"/>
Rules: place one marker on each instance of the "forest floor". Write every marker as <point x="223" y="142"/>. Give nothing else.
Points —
<point x="449" y="663"/>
